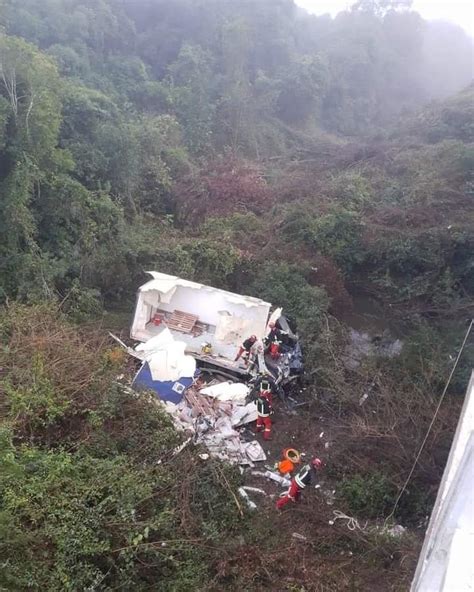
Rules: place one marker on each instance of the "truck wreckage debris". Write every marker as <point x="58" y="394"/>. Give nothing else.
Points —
<point x="207" y="354"/>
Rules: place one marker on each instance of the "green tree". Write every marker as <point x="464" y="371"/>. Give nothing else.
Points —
<point x="29" y="87"/>
<point x="302" y="89"/>
<point x="191" y="88"/>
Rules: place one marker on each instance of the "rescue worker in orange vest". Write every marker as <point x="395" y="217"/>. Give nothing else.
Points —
<point x="264" y="402"/>
<point x="303" y="478"/>
<point x="245" y="348"/>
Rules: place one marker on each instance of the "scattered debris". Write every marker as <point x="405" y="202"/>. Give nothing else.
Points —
<point x="254" y="451"/>
<point x="227" y="391"/>
<point x="396" y="531"/>
<point x="251" y="505"/>
<point x="299" y="537"/>
<point x="214" y="423"/>
<point x="181" y="447"/>
<point x="330" y="496"/>
<point x="254" y="489"/>
<point x="273" y="477"/>
<point x="244" y="414"/>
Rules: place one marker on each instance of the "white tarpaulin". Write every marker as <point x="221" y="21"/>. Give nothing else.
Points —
<point x="156" y="343"/>
<point x="171" y="363"/>
<point x="244" y="414"/>
<point x="228" y="391"/>
<point x="166" y="357"/>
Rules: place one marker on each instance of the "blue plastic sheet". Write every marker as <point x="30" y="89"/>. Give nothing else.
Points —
<point x="166" y="390"/>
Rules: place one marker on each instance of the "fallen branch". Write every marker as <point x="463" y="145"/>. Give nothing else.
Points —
<point x="239" y="507"/>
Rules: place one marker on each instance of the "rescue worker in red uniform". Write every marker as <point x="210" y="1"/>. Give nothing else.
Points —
<point x="264" y="409"/>
<point x="273" y="341"/>
<point x="264" y="382"/>
<point x="303" y="478"/>
<point x="275" y="333"/>
<point x="245" y="348"/>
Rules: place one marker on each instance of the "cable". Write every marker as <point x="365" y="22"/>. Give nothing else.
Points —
<point x="402" y="491"/>
<point x="352" y="523"/>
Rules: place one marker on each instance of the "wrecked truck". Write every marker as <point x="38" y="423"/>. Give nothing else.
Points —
<point x="212" y="324"/>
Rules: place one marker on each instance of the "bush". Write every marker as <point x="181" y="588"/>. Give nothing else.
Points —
<point x="82" y="304"/>
<point x="92" y="494"/>
<point x="284" y="285"/>
<point x="54" y="374"/>
<point x="369" y="496"/>
<point x="335" y="233"/>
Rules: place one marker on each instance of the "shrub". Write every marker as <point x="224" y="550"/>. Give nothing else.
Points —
<point x="285" y="286"/>
<point x="335" y="233"/>
<point x="369" y="496"/>
<point x="92" y="494"/>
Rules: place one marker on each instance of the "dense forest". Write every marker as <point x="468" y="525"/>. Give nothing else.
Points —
<point x="305" y="160"/>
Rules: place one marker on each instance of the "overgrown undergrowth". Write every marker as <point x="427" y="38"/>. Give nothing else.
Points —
<point x="94" y="496"/>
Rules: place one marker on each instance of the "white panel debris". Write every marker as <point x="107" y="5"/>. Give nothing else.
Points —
<point x="244" y="414"/>
<point x="165" y="355"/>
<point x="254" y="489"/>
<point x="251" y="505"/>
<point x="273" y="477"/>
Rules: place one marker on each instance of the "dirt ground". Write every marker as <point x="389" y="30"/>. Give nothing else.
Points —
<point x="297" y="548"/>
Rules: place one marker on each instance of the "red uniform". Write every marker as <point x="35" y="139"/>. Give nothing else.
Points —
<point x="245" y="348"/>
<point x="274" y="350"/>
<point x="264" y="410"/>
<point x="298" y="483"/>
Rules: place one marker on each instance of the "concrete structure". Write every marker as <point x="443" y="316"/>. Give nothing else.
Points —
<point x="446" y="562"/>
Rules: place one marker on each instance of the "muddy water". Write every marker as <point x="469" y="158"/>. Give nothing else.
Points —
<point x="369" y="315"/>
<point x="371" y="332"/>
